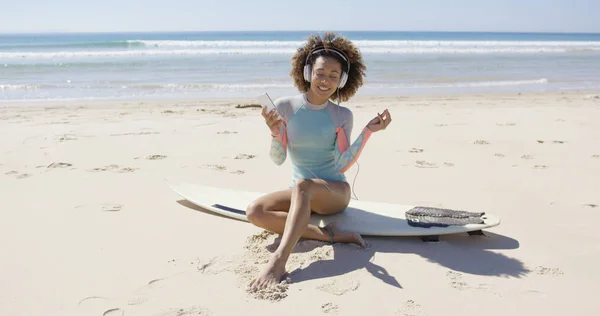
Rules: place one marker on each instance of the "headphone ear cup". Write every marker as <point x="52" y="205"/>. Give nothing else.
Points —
<point x="307" y="71"/>
<point x="343" y="80"/>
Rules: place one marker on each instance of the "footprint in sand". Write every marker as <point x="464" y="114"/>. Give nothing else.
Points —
<point x="17" y="175"/>
<point x="540" y="167"/>
<point x="204" y="266"/>
<point x="591" y="205"/>
<point x="540" y="270"/>
<point x="156" y="157"/>
<point x="415" y="150"/>
<point x="456" y="280"/>
<point x="329" y="308"/>
<point x="137" y="299"/>
<point x="340" y="286"/>
<point x="97" y="305"/>
<point x="156" y="283"/>
<point x="527" y="157"/>
<point x="114" y="168"/>
<point x="481" y="142"/>
<point x="110" y="207"/>
<point x="227" y="132"/>
<point x="216" y="167"/>
<point x="596" y="156"/>
<point x="238" y="172"/>
<point x="113" y="312"/>
<point x="59" y="165"/>
<point x="410" y="308"/>
<point x="148" y="295"/>
<point x="67" y="137"/>
<point x="499" y="155"/>
<point x="448" y="164"/>
<point x="425" y="164"/>
<point x="554" y="141"/>
<point x="244" y="156"/>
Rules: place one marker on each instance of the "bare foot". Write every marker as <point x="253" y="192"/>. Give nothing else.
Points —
<point x="270" y="275"/>
<point x="346" y="237"/>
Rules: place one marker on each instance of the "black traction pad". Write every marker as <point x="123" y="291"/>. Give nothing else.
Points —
<point x="423" y="216"/>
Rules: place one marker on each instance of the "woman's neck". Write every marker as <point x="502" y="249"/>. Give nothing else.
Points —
<point x="314" y="106"/>
<point x="316" y="100"/>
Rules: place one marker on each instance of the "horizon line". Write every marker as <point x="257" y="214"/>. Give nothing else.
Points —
<point x="302" y="31"/>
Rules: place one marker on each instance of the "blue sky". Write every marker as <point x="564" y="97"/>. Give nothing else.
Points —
<point x="22" y="16"/>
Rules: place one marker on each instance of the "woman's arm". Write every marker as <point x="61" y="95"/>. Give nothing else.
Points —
<point x="278" y="151"/>
<point x="345" y="155"/>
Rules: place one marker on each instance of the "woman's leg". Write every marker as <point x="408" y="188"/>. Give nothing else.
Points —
<point x="271" y="211"/>
<point x="319" y="196"/>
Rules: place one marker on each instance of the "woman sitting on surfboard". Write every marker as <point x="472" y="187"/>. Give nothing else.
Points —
<point x="316" y="133"/>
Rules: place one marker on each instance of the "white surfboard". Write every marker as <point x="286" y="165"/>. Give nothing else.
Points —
<point x="364" y="217"/>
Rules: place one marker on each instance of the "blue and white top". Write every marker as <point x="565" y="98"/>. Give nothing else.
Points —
<point x="316" y="138"/>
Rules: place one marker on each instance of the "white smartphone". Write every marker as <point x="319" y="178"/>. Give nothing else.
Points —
<point x="265" y="101"/>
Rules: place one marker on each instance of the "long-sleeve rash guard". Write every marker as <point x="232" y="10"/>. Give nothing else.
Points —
<point x="316" y="138"/>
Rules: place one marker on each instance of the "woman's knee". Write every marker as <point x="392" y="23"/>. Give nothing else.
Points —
<point x="304" y="186"/>
<point x="255" y="212"/>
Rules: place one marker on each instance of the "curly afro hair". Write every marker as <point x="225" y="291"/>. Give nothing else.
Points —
<point x="330" y="40"/>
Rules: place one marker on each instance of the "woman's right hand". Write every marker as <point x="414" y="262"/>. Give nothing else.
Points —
<point x="273" y="121"/>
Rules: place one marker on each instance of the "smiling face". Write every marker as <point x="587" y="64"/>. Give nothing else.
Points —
<point x="325" y="76"/>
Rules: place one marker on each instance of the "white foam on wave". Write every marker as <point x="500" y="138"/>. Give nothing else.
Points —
<point x="5" y="87"/>
<point x="208" y="86"/>
<point x="192" y="48"/>
<point x="218" y="44"/>
<point x="432" y="43"/>
<point x="369" y="43"/>
<point x="287" y="51"/>
<point x="470" y="50"/>
<point x="473" y="84"/>
<point x="137" y="53"/>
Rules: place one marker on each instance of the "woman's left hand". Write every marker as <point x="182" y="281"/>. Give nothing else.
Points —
<point x="380" y="122"/>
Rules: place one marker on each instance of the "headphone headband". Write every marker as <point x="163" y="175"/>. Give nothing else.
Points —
<point x="333" y="49"/>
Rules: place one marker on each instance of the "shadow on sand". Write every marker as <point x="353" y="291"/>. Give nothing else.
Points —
<point x="458" y="252"/>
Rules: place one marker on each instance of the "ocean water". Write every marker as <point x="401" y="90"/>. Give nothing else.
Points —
<point x="108" y="66"/>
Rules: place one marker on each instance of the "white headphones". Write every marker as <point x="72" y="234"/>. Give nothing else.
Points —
<point x="308" y="68"/>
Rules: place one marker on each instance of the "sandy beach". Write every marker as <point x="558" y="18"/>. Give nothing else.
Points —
<point x="89" y="226"/>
